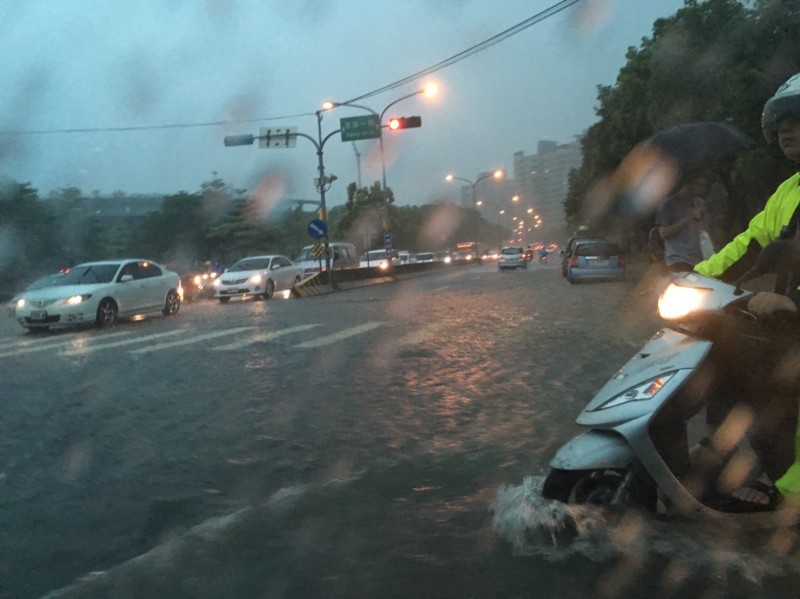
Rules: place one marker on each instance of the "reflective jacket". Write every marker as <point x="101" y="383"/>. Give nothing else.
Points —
<point x="764" y="227"/>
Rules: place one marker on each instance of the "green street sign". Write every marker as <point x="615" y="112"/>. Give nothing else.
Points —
<point x="360" y="127"/>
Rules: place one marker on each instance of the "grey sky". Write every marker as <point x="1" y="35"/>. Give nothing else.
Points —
<point x="101" y="64"/>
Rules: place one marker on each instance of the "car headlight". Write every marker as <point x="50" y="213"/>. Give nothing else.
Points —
<point x="197" y="279"/>
<point x="21" y="302"/>
<point x="77" y="299"/>
<point x="217" y="282"/>
<point x="641" y="392"/>
<point x="383" y="265"/>
<point x="677" y="301"/>
<point x="255" y="279"/>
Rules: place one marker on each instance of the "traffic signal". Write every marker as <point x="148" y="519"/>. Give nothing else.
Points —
<point x="405" y="122"/>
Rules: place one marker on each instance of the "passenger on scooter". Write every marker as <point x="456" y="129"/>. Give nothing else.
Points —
<point x="772" y="436"/>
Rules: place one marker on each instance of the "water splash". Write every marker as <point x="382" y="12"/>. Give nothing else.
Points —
<point x="534" y="525"/>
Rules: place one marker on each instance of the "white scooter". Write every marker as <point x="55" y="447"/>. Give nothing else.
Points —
<point x="638" y="446"/>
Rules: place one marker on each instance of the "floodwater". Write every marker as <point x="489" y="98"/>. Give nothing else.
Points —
<point x="417" y="472"/>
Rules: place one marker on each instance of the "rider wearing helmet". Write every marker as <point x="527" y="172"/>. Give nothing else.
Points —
<point x="773" y="436"/>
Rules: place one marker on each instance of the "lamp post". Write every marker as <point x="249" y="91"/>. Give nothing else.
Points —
<point x="322" y="183"/>
<point x="497" y="174"/>
<point x="430" y="89"/>
<point x="498" y="212"/>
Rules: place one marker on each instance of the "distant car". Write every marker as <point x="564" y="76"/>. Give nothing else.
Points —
<point x="45" y="281"/>
<point x="406" y="257"/>
<point x="100" y="293"/>
<point x="566" y="253"/>
<point x="377" y="258"/>
<point x="512" y="257"/>
<point x="197" y="284"/>
<point x="343" y="255"/>
<point x="596" y="260"/>
<point x="425" y="257"/>
<point x="258" y="277"/>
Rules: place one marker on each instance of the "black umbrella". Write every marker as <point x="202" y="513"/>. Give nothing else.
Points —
<point x="694" y="144"/>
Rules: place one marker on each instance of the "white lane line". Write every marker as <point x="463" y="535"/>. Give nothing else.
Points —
<point x="260" y="337"/>
<point x="189" y="340"/>
<point x="99" y="346"/>
<point x="441" y="289"/>
<point x="341" y="335"/>
<point x="76" y="342"/>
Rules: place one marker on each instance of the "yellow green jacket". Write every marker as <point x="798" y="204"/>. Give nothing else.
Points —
<point x="763" y="228"/>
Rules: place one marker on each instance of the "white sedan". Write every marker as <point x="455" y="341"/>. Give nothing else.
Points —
<point x="101" y="292"/>
<point x="257" y="276"/>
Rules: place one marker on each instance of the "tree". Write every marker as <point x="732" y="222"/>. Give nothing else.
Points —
<point x="712" y="60"/>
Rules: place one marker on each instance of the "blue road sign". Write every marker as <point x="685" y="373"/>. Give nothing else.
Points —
<point x="387" y="243"/>
<point x="317" y="229"/>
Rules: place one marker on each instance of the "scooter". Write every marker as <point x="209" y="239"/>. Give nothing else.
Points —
<point x="640" y="447"/>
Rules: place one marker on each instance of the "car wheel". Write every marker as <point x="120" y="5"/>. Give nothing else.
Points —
<point x="297" y="279"/>
<point x="224" y="300"/>
<point x="172" y="304"/>
<point x="106" y="313"/>
<point x="269" y="289"/>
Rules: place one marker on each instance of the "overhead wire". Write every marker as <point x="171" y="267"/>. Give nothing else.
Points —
<point x="495" y="39"/>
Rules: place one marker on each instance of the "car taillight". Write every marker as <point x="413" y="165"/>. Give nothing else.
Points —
<point x="574" y="261"/>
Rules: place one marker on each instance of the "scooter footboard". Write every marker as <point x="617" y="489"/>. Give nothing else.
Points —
<point x="593" y="450"/>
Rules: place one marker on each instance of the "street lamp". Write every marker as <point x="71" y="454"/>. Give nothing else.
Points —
<point x="430" y="90"/>
<point x="322" y="183"/>
<point x="497" y="174"/>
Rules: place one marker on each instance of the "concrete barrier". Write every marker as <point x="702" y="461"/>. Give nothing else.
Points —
<point x="354" y="278"/>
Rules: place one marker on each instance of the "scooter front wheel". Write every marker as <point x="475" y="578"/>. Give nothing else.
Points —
<point x="599" y="487"/>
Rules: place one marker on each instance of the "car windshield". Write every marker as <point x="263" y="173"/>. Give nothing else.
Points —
<point x="511" y="251"/>
<point x="89" y="274"/>
<point x="305" y="255"/>
<point x="45" y="281"/>
<point x="250" y="264"/>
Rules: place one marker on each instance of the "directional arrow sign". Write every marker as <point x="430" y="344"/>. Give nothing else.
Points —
<point x="317" y="229"/>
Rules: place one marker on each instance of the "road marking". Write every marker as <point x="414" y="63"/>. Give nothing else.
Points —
<point x="441" y="289"/>
<point x="341" y="335"/>
<point x="259" y="337"/>
<point x="75" y="341"/>
<point x="99" y="346"/>
<point x="189" y="340"/>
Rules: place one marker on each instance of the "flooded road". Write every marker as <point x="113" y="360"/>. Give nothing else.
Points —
<point x="382" y="442"/>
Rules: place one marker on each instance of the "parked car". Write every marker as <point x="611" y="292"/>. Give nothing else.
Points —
<point x="566" y="253"/>
<point x="41" y="282"/>
<point x="425" y="257"/>
<point x="596" y="259"/>
<point x="377" y="258"/>
<point x="406" y="257"/>
<point x="512" y="257"/>
<point x="100" y="293"/>
<point x="343" y="255"/>
<point x="258" y="277"/>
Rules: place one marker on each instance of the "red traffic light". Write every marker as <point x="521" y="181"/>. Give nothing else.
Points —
<point x="405" y="122"/>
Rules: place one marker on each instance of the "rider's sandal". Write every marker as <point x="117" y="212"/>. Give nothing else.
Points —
<point x="762" y="490"/>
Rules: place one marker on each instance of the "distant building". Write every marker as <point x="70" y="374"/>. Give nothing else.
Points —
<point x="542" y="181"/>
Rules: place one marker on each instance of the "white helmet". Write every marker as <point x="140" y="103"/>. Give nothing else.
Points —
<point x="786" y="101"/>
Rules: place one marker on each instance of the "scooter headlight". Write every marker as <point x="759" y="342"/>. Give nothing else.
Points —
<point x="677" y="301"/>
<point x="641" y="392"/>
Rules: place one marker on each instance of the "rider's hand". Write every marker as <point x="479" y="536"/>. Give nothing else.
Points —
<point x="767" y="303"/>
